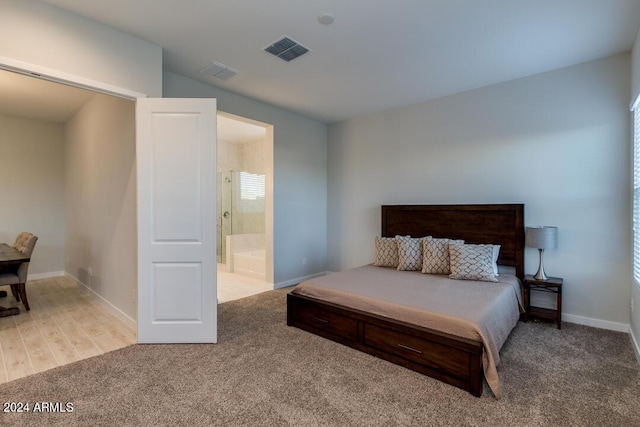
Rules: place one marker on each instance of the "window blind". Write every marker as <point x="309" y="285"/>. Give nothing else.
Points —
<point x="251" y="186"/>
<point x="251" y="197"/>
<point x="636" y="191"/>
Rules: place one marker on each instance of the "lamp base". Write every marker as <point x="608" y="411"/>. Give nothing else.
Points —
<point x="541" y="275"/>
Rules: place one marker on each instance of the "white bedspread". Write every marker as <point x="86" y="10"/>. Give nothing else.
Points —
<point x="481" y="311"/>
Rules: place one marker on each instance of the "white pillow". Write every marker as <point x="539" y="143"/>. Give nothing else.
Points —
<point x="436" y="255"/>
<point x="386" y="252"/>
<point x="496" y="254"/>
<point x="409" y="253"/>
<point x="472" y="262"/>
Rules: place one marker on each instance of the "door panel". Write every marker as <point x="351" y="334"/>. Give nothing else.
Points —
<point x="176" y="160"/>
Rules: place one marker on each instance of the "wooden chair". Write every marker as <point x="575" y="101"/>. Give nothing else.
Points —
<point x="16" y="277"/>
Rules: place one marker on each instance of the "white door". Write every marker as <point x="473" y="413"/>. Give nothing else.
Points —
<point x="176" y="166"/>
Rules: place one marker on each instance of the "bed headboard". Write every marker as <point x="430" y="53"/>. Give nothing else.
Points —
<point x="497" y="224"/>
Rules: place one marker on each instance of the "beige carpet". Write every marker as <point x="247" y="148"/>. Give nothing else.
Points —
<point x="264" y="373"/>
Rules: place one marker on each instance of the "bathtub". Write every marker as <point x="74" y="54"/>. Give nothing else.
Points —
<point x="251" y="263"/>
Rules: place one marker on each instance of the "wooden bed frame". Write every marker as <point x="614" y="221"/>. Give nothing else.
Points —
<point x="448" y="358"/>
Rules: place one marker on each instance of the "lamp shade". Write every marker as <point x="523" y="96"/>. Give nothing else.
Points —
<point x="541" y="237"/>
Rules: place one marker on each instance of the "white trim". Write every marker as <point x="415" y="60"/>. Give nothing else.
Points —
<point x="33" y="70"/>
<point x="112" y="309"/>
<point x="634" y="344"/>
<point x="547" y="300"/>
<point x="48" y="275"/>
<point x="295" y="281"/>
<point x="596" y="323"/>
<point x="635" y="102"/>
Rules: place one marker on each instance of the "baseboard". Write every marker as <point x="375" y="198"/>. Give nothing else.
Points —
<point x="112" y="309"/>
<point x="48" y="275"/>
<point x="596" y="323"/>
<point x="634" y="344"/>
<point x="295" y="281"/>
<point x="548" y="300"/>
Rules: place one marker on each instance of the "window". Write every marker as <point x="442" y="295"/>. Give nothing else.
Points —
<point x="251" y="186"/>
<point x="636" y="191"/>
<point x="252" y="192"/>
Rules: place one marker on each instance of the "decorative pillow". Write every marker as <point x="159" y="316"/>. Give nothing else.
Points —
<point x="409" y="253"/>
<point x="436" y="255"/>
<point x="496" y="254"/>
<point x="472" y="262"/>
<point x="386" y="252"/>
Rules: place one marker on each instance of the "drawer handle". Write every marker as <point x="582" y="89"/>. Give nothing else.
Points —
<point x="406" y="347"/>
<point x="321" y="320"/>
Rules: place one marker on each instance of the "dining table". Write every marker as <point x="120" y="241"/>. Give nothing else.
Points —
<point x="9" y="257"/>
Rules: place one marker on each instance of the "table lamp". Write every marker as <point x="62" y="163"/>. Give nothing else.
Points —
<point x="541" y="237"/>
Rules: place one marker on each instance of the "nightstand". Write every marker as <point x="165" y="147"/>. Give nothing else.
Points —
<point x="553" y="285"/>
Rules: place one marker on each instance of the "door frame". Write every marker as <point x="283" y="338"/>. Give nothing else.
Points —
<point x="269" y="167"/>
<point x="56" y="76"/>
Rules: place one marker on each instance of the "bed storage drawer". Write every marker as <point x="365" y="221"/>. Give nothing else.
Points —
<point x="427" y="353"/>
<point x="328" y="322"/>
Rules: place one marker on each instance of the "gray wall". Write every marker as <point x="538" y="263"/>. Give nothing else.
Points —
<point x="32" y="177"/>
<point x="100" y="186"/>
<point x="558" y="142"/>
<point x="46" y="36"/>
<point x="300" y="177"/>
<point x="635" y="287"/>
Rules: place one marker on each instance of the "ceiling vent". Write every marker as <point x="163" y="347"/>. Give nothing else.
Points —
<point x="286" y="49"/>
<point x="219" y="71"/>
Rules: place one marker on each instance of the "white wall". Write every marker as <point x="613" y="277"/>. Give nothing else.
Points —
<point x="46" y="36"/>
<point x="300" y="177"/>
<point x="32" y="177"/>
<point x="557" y="141"/>
<point x="100" y="179"/>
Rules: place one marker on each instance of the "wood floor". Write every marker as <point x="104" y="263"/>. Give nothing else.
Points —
<point x="66" y="324"/>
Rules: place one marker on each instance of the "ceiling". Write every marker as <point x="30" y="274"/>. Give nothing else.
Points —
<point x="378" y="54"/>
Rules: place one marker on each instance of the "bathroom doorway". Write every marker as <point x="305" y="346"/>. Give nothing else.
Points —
<point x="244" y="218"/>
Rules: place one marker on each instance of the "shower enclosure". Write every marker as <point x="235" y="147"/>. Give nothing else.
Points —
<point x="241" y="222"/>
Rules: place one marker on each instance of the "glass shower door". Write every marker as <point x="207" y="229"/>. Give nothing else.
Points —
<point x="224" y="219"/>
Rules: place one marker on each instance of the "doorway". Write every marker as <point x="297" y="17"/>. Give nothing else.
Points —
<point x="60" y="141"/>
<point x="244" y="247"/>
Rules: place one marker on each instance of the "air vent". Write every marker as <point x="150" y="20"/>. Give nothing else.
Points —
<point x="219" y="70"/>
<point x="286" y="49"/>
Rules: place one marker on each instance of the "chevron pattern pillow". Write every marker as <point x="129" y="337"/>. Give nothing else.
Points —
<point x="386" y="252"/>
<point x="472" y="262"/>
<point x="436" y="258"/>
<point x="409" y="253"/>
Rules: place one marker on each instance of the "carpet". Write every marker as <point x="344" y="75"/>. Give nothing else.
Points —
<point x="264" y="373"/>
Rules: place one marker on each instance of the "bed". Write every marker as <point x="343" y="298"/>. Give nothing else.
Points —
<point x="371" y="325"/>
